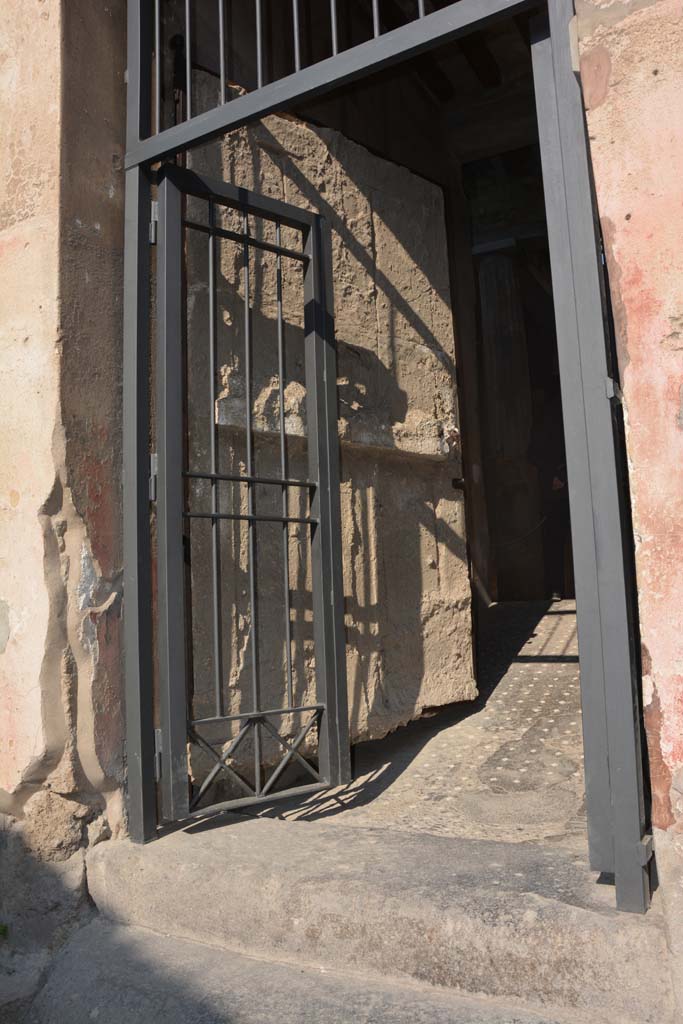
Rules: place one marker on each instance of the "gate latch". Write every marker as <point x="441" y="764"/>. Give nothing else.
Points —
<point x="153" y="222"/>
<point x="153" y="473"/>
<point x="157" y="755"/>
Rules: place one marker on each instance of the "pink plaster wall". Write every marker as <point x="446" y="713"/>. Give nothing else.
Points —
<point x="632" y="75"/>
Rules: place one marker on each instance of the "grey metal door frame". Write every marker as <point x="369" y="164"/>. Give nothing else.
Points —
<point x="609" y="673"/>
<point x="329" y="715"/>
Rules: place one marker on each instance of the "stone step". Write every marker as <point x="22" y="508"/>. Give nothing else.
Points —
<point x="513" y="921"/>
<point x="113" y="974"/>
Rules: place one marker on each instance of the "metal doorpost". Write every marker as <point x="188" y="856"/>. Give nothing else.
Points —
<point x="609" y="679"/>
<point x="137" y="586"/>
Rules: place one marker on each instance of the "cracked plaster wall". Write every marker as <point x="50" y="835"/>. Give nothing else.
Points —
<point x="632" y="76"/>
<point x="61" y="212"/>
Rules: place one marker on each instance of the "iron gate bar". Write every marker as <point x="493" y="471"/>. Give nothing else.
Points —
<point x="221" y="764"/>
<point x="283" y="464"/>
<point x="213" y="455"/>
<point x="221" y="45"/>
<point x="295" y="33"/>
<point x="260" y="714"/>
<point x="255" y="243"/>
<point x="364" y="59"/>
<point x="609" y="679"/>
<point x="171" y="563"/>
<point x="251" y="517"/>
<point x="188" y="61"/>
<point x="236" y="478"/>
<point x="137" y="555"/>
<point x="323" y="453"/>
<point x="239" y="804"/>
<point x="232" y="747"/>
<point x="253" y="632"/>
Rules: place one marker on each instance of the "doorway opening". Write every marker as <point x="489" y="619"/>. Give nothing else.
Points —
<point x="459" y="101"/>
<point x="453" y="472"/>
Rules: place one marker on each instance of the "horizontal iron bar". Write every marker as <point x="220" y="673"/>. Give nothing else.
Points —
<point x="248" y="517"/>
<point x="237" y="198"/>
<point x="366" y="58"/>
<point x="237" y="479"/>
<point x="254" y="243"/>
<point x="230" y="805"/>
<point x="258" y="714"/>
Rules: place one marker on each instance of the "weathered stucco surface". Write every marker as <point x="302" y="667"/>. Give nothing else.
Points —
<point x="61" y="743"/>
<point x="632" y="73"/>
<point x="406" y="585"/>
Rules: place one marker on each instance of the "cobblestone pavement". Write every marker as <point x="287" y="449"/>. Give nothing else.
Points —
<point x="507" y="766"/>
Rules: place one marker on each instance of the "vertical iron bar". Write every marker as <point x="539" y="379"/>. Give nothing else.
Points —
<point x="323" y="456"/>
<point x="137" y="583"/>
<point x="297" y="35"/>
<point x="221" y="43"/>
<point x="375" y="18"/>
<point x="420" y="8"/>
<point x="250" y="508"/>
<point x="215" y="522"/>
<point x="333" y="27"/>
<point x="188" y="61"/>
<point x="170" y="548"/>
<point x="259" y="43"/>
<point x="157" y="67"/>
<point x="283" y="468"/>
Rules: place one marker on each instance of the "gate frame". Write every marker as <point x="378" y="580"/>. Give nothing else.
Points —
<point x="601" y="529"/>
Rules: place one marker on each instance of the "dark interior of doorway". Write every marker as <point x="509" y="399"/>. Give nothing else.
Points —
<point x="464" y="116"/>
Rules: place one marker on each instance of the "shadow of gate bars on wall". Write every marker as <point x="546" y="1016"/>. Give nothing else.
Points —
<point x="601" y="531"/>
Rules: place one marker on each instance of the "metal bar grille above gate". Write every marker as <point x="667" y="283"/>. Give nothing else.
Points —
<point x="238" y="738"/>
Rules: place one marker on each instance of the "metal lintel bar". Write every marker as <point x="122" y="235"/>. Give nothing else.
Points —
<point x="255" y="243"/>
<point x="260" y="714"/>
<point x="365" y="59"/>
<point x="242" y="479"/>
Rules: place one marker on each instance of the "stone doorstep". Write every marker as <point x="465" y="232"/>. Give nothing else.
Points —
<point x="112" y="973"/>
<point x="517" y="922"/>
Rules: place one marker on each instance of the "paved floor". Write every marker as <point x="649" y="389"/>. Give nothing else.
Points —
<point x="508" y="767"/>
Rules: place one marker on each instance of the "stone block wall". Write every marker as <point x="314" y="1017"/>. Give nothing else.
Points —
<point x="406" y="583"/>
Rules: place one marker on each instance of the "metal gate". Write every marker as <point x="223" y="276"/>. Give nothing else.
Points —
<point x="601" y="530"/>
<point x="255" y="750"/>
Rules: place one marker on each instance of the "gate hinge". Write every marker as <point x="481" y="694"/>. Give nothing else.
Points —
<point x="157" y="755"/>
<point x="612" y="390"/>
<point x="153" y="474"/>
<point x="646" y="849"/>
<point x="153" y="222"/>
